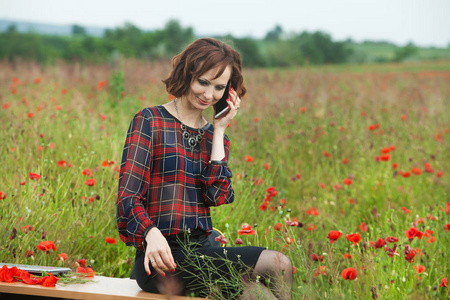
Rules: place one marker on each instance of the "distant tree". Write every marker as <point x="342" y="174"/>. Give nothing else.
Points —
<point x="403" y="53"/>
<point x="274" y="34"/>
<point x="319" y="48"/>
<point x="11" y="29"/>
<point x="78" y="30"/>
<point x="176" y="36"/>
<point x="248" y="48"/>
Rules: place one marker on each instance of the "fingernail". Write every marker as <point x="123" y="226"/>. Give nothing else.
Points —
<point x="173" y="270"/>
<point x="163" y="274"/>
<point x="148" y="272"/>
<point x="175" y="265"/>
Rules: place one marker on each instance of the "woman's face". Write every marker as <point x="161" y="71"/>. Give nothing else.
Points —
<point x="206" y="91"/>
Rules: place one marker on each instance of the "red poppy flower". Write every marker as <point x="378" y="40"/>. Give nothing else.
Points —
<point x="90" y="182"/>
<point x="316" y="257"/>
<point x="246" y="230"/>
<point x="334" y="235"/>
<point x="248" y="158"/>
<point x="385" y="157"/>
<point x="62" y="163"/>
<point x="345" y="161"/>
<point x="405" y="210"/>
<point x="46" y="246"/>
<point x="391" y="239"/>
<point x="409" y="254"/>
<point x="386" y="150"/>
<point x="320" y="271"/>
<point x="347" y="256"/>
<point x="80" y="263"/>
<point x="349" y="274"/>
<point x="378" y="244"/>
<point x="337" y="187"/>
<point x="419" y="269"/>
<point x="347" y="181"/>
<point x="428" y="233"/>
<point x="444" y="282"/>
<point x="312" y="211"/>
<point x="363" y="227"/>
<point x="110" y="240"/>
<point x="431" y="240"/>
<point x="412" y="233"/>
<point x="221" y="239"/>
<point x="101" y="84"/>
<point x="321" y="185"/>
<point x="431" y="217"/>
<point x="263" y="206"/>
<point x="327" y="154"/>
<point x="34" y="176"/>
<point x="63" y="256"/>
<point x="354" y="237"/>
<point x="2" y="195"/>
<point x="416" y="171"/>
<point x="447" y="227"/>
<point x="293" y="223"/>
<point x="239" y="241"/>
<point x="405" y="174"/>
<point x="87" y="172"/>
<point x="29" y="253"/>
<point x="278" y="226"/>
<point x="107" y="163"/>
<point x="312" y="227"/>
<point x="27" y="228"/>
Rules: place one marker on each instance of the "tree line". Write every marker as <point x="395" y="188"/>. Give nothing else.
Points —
<point x="277" y="49"/>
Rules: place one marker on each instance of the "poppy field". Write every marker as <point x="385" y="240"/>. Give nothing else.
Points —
<point x="344" y="169"/>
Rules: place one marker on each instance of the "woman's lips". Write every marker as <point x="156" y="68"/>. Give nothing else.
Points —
<point x="202" y="102"/>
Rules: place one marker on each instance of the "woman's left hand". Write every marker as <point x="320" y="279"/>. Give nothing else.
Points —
<point x="234" y="103"/>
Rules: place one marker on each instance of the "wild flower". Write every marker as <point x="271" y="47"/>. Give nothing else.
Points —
<point x="334" y="235"/>
<point x="349" y="274"/>
<point x="354" y="237"/>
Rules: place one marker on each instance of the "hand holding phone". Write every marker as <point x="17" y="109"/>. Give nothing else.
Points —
<point x="222" y="107"/>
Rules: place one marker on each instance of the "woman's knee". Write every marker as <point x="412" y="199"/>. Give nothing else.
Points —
<point x="273" y="263"/>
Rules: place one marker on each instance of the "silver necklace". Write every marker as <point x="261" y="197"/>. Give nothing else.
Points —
<point x="192" y="140"/>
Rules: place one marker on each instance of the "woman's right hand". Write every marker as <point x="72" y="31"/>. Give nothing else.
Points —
<point x="158" y="253"/>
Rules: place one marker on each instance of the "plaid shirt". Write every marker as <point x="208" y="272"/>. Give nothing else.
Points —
<point x="163" y="182"/>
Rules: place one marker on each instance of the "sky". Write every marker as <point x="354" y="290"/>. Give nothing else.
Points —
<point x="422" y="22"/>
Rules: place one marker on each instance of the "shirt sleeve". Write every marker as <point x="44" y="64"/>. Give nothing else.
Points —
<point x="133" y="221"/>
<point x="216" y="180"/>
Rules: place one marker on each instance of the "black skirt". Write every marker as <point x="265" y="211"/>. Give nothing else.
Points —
<point x="200" y="266"/>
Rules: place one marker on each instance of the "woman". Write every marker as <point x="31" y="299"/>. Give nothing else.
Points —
<point x="174" y="167"/>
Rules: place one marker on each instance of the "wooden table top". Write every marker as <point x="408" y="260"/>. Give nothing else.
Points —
<point x="100" y="288"/>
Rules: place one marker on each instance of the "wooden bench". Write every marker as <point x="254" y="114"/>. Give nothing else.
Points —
<point x="100" y="288"/>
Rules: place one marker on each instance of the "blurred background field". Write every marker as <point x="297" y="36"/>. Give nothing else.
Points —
<point x="314" y="149"/>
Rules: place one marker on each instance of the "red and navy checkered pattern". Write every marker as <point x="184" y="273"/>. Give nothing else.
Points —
<point x="164" y="182"/>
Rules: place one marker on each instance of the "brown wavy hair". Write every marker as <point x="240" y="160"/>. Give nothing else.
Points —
<point x="199" y="57"/>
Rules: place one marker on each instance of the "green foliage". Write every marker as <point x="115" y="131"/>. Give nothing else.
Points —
<point x="276" y="49"/>
<point x="405" y="52"/>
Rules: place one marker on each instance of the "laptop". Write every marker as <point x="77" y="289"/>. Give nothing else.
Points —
<point x="39" y="270"/>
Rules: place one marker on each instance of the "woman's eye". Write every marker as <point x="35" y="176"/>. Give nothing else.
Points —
<point x="203" y="82"/>
<point x="220" y="88"/>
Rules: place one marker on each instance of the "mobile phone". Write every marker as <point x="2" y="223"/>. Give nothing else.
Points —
<point x="221" y="107"/>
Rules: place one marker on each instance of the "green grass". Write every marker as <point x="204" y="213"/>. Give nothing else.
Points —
<point x="386" y="52"/>
<point x="302" y="114"/>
